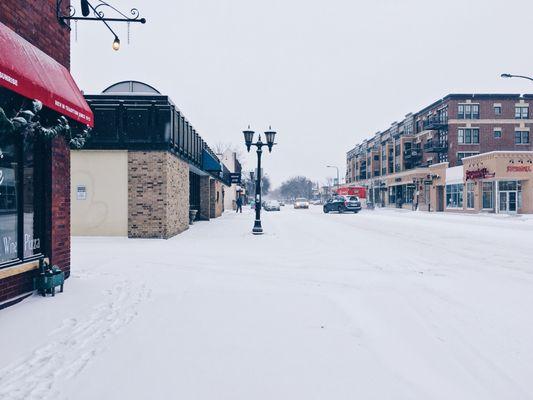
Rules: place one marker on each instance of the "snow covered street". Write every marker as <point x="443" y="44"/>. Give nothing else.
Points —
<point x="385" y="304"/>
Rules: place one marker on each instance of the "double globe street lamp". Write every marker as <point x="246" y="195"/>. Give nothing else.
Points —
<point x="248" y="139"/>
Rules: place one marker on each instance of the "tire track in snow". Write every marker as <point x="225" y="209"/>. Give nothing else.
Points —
<point x="72" y="346"/>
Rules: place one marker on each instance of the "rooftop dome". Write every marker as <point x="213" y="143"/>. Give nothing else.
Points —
<point x="131" y="87"/>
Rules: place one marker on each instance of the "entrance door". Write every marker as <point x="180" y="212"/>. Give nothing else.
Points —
<point x="440" y="198"/>
<point x="508" y="202"/>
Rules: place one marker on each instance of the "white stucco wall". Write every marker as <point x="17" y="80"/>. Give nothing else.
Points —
<point x="104" y="211"/>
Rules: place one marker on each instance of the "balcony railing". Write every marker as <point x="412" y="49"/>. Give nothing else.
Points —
<point x="435" y="147"/>
<point x="412" y="154"/>
<point x="435" y="123"/>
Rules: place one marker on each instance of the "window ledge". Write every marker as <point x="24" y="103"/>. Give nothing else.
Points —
<point x="19" y="269"/>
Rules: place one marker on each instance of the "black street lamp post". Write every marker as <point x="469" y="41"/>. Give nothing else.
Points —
<point x="248" y="139"/>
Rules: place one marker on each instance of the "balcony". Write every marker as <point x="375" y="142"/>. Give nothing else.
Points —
<point x="412" y="154"/>
<point x="434" y="123"/>
<point x="436" y="147"/>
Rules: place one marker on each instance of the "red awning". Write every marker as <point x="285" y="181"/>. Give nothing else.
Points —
<point x="31" y="73"/>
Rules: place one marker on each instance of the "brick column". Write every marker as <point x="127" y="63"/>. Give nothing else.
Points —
<point x="213" y="198"/>
<point x="158" y="195"/>
<point x="59" y="229"/>
<point x="204" y="198"/>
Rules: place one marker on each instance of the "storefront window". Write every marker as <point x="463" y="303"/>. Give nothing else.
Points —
<point x="470" y="195"/>
<point x="21" y="199"/>
<point x="33" y="199"/>
<point x="8" y="199"/>
<point x="488" y="195"/>
<point x="506" y="185"/>
<point x="454" y="196"/>
<point x="409" y="194"/>
<point x="392" y="195"/>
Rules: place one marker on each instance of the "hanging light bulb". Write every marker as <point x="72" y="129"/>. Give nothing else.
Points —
<point x="116" y="43"/>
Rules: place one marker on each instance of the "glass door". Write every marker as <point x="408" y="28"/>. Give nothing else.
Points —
<point x="508" y="202"/>
<point x="503" y="202"/>
<point x="511" y="201"/>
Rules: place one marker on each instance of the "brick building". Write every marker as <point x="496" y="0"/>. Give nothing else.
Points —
<point x="416" y="162"/>
<point x="144" y="168"/>
<point x="34" y="174"/>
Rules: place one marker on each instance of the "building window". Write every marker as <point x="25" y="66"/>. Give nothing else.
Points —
<point x="497" y="110"/>
<point x="497" y="133"/>
<point x="21" y="199"/>
<point x="470" y="195"/>
<point x="521" y="137"/>
<point x="465" y="154"/>
<point x="454" y="195"/>
<point x="468" y="111"/>
<point x="8" y="201"/>
<point x="521" y="112"/>
<point x="468" y="136"/>
<point x="392" y="195"/>
<point x="488" y="195"/>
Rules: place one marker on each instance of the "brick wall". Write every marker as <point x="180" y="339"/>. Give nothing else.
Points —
<point x="205" y="189"/>
<point x="158" y="195"/>
<point x="177" y="194"/>
<point x="212" y="198"/>
<point x="59" y="244"/>
<point x="486" y="124"/>
<point x="16" y="285"/>
<point x="36" y="22"/>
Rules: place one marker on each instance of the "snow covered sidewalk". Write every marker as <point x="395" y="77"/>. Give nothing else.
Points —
<point x="384" y="304"/>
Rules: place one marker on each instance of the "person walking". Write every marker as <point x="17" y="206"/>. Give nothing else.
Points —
<point x="239" y="204"/>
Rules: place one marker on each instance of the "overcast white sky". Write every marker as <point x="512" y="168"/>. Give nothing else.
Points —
<point x="324" y="74"/>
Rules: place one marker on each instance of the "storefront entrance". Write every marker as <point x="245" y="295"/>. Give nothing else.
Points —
<point x="508" y="196"/>
<point x="508" y="202"/>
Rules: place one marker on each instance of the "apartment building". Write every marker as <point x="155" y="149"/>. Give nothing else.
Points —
<point x="420" y="162"/>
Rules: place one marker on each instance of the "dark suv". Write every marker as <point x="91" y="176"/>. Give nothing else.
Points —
<point x="342" y="204"/>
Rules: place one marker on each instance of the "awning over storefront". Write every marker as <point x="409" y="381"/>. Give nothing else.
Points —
<point x="31" y="73"/>
<point x="210" y="163"/>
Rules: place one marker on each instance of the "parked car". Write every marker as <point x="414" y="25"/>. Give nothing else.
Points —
<point x="301" y="203"/>
<point x="272" y="205"/>
<point x="342" y="204"/>
<point x="282" y="203"/>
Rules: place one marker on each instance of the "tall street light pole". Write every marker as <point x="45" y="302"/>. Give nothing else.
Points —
<point x="248" y="139"/>
<point x="337" y="168"/>
<point x="516" y="76"/>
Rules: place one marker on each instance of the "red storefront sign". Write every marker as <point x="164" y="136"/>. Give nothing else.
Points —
<point x="519" y="168"/>
<point x="358" y="191"/>
<point x="30" y="72"/>
<point x="481" y="173"/>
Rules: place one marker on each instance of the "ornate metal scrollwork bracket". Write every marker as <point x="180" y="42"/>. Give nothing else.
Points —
<point x="98" y="13"/>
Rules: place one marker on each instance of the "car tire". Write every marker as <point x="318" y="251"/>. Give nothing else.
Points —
<point x="326" y="210"/>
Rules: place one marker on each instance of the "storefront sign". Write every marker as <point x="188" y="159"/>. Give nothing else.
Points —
<point x="235" y="177"/>
<point x="481" y="173"/>
<point x="9" y="246"/>
<point x="519" y="168"/>
<point x="30" y="243"/>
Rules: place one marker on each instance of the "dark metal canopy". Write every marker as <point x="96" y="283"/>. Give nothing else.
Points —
<point x="133" y="115"/>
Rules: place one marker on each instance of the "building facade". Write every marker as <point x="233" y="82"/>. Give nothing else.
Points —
<point x="144" y="168"/>
<point x="230" y="160"/>
<point x="418" y="162"/>
<point x="34" y="172"/>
